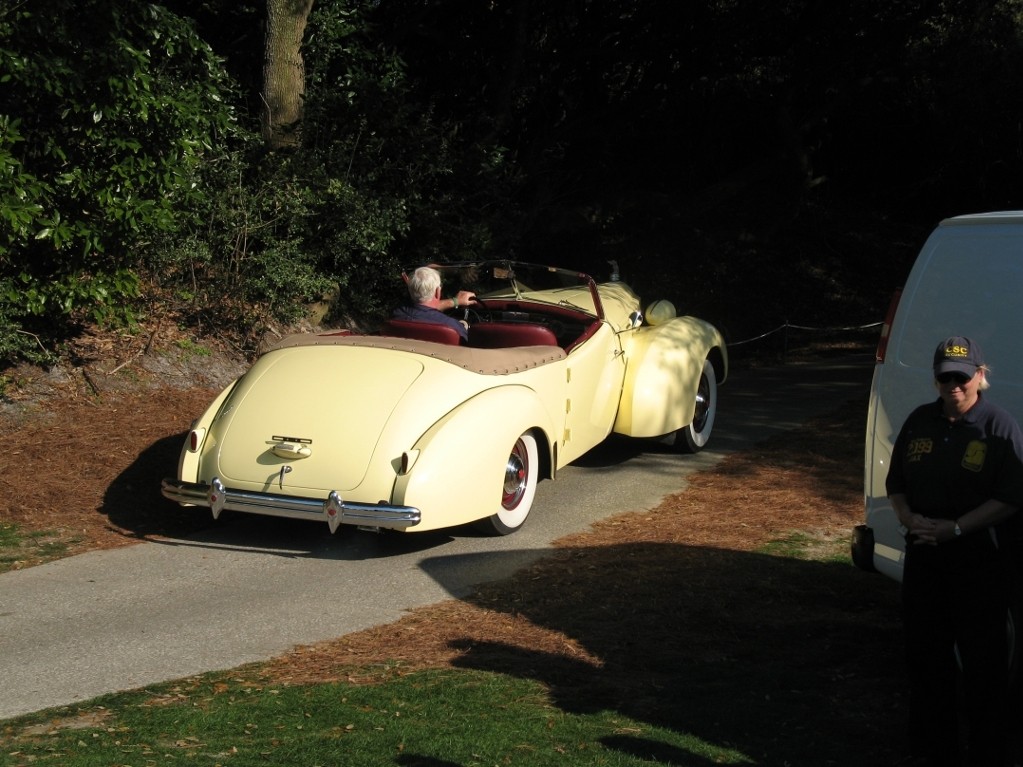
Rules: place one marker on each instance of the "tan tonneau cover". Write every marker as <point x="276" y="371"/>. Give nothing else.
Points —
<point x="484" y="361"/>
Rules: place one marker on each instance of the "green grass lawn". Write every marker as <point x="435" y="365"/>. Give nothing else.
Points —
<point x="431" y="718"/>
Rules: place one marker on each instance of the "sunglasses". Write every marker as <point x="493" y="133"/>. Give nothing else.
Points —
<point x="959" y="378"/>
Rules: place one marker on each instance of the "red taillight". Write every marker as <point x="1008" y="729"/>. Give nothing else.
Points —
<point x="886" y="328"/>
<point x="193" y="441"/>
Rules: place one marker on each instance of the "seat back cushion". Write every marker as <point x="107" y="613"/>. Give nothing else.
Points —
<point x="500" y="335"/>
<point x="421" y="331"/>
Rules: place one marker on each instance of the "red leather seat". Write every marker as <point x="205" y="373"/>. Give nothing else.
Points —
<point x="500" y="335"/>
<point x="421" y="331"/>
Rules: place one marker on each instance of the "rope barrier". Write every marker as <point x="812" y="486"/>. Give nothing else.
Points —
<point x="787" y="326"/>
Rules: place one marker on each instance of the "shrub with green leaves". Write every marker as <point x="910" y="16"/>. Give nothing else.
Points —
<point x="108" y="111"/>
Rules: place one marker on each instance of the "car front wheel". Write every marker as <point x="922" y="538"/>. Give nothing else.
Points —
<point x="520" y="477"/>
<point x="693" y="437"/>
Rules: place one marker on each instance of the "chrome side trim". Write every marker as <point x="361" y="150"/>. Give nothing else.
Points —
<point x="333" y="510"/>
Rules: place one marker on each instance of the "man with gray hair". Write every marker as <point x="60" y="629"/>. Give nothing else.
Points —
<point x="424" y="288"/>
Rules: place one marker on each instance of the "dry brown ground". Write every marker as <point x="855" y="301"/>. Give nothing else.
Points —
<point x="619" y="616"/>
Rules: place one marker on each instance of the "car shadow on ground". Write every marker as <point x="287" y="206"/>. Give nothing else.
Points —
<point x="781" y="660"/>
<point x="133" y="503"/>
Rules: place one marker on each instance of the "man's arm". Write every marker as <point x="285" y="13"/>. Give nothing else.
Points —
<point x="462" y="298"/>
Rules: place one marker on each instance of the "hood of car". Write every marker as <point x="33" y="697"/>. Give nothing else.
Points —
<point x="312" y="418"/>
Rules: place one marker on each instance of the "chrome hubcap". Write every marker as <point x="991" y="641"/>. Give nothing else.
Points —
<point x="515" y="473"/>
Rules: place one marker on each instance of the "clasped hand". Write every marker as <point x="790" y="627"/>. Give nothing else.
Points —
<point x="930" y="532"/>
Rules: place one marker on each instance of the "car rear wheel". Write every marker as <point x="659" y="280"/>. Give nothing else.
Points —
<point x="519" y="487"/>
<point x="694" y="436"/>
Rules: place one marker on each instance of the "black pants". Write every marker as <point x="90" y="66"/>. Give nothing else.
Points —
<point x="955" y="598"/>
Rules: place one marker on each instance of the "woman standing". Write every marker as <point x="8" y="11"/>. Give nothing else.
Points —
<point x="957" y="475"/>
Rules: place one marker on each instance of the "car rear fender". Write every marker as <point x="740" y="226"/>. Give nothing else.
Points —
<point x="458" y="473"/>
<point x="189" y="460"/>
<point x="664" y="365"/>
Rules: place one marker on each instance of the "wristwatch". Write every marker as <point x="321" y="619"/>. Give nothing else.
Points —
<point x="957" y="530"/>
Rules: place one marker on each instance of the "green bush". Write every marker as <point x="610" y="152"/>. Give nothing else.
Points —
<point x="108" y="111"/>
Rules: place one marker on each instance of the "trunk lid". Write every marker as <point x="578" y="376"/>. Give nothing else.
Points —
<point x="310" y="418"/>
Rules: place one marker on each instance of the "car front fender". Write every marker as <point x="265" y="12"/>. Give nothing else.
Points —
<point x="664" y="366"/>
<point x="459" y="464"/>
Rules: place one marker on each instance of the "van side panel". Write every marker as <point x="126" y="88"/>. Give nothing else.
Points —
<point x="887" y="551"/>
<point x="967" y="280"/>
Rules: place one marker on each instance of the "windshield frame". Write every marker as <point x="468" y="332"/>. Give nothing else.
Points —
<point x="522" y="281"/>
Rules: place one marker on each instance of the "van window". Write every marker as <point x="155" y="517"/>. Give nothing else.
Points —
<point x="971" y="287"/>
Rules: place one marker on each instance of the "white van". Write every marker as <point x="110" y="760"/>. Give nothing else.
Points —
<point x="967" y="281"/>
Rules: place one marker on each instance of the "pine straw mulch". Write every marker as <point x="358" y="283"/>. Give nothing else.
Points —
<point x="86" y="443"/>
<point x="84" y="474"/>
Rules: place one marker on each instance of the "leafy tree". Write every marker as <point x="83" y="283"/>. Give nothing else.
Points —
<point x="108" y="111"/>
<point x="374" y="134"/>
<point x="376" y="182"/>
<point x="315" y="220"/>
<point x="690" y="144"/>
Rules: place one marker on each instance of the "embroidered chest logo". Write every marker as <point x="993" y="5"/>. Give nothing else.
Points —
<point x="973" y="458"/>
<point x="918" y="448"/>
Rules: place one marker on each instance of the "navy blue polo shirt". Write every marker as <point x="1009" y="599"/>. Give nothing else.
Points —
<point x="420" y="313"/>
<point x="947" y="468"/>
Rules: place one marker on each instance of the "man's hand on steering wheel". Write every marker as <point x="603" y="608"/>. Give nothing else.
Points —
<point x="461" y="300"/>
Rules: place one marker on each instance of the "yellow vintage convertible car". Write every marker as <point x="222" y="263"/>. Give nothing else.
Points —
<point x="407" y="429"/>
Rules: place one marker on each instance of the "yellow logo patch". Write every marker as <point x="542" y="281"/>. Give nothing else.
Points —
<point x="918" y="448"/>
<point x="973" y="458"/>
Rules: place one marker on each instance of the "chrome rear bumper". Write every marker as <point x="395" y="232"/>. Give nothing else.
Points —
<point x="333" y="510"/>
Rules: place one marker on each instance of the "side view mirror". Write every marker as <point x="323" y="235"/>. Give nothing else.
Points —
<point x="635" y="319"/>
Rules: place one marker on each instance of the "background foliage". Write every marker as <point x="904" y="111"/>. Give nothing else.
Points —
<point x="754" y="163"/>
<point x="108" y="110"/>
